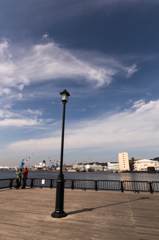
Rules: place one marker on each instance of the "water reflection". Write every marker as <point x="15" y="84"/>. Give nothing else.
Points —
<point x="139" y="176"/>
<point x="87" y="175"/>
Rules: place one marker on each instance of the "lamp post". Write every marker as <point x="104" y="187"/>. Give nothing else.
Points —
<point x="59" y="212"/>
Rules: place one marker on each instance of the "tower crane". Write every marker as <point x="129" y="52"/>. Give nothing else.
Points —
<point x="85" y="161"/>
<point x="57" y="163"/>
<point x="24" y="161"/>
<point x="51" y="163"/>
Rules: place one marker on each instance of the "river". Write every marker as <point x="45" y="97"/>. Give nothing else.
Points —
<point x="5" y="174"/>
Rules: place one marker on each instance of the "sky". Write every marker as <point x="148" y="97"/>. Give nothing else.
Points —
<point x="105" y="54"/>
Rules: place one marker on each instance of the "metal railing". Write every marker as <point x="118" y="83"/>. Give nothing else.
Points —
<point x="102" y="185"/>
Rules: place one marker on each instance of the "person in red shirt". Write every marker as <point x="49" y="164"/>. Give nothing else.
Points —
<point x="25" y="175"/>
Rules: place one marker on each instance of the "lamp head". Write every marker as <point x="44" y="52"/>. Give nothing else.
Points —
<point x="64" y="96"/>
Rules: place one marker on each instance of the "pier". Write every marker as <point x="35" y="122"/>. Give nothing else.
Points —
<point x="26" y="214"/>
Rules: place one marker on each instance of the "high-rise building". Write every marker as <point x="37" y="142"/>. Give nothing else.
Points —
<point x="123" y="161"/>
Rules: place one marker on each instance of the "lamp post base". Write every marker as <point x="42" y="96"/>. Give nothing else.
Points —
<point x="58" y="214"/>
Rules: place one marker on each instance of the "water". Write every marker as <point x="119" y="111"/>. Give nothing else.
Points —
<point x="86" y="175"/>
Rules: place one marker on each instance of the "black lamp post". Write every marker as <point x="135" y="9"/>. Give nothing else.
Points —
<point x="59" y="212"/>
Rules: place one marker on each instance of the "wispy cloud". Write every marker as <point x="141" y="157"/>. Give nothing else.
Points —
<point x="4" y="113"/>
<point x="138" y="104"/>
<point x="131" y="129"/>
<point x="20" y="118"/>
<point x="35" y="112"/>
<point x="49" y="61"/>
<point x="7" y="106"/>
<point x="131" y="70"/>
<point x="5" y="91"/>
<point x="19" y="122"/>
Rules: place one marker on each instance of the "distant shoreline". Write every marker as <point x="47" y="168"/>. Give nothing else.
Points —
<point x="138" y="172"/>
<point x="11" y="170"/>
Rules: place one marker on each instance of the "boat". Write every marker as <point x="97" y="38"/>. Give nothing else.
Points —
<point x="71" y="170"/>
<point x="82" y="170"/>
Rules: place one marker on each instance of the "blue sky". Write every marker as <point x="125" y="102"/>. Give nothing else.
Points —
<point x="105" y="53"/>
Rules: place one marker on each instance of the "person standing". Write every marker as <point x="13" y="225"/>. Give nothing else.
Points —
<point x="25" y="175"/>
<point x="18" y="178"/>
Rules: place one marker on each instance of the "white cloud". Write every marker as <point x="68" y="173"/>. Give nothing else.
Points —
<point x="49" y="61"/>
<point x="138" y="104"/>
<point x="7" y="91"/>
<point x="20" y="96"/>
<point x="8" y="114"/>
<point x="20" y="118"/>
<point x="3" y="45"/>
<point x="35" y="112"/>
<point x="8" y="106"/>
<point x="45" y="143"/>
<point x="130" y="129"/>
<point x="49" y="120"/>
<point x="19" y="122"/>
<point x="148" y="108"/>
<point x="1" y="114"/>
<point x="45" y="35"/>
<point x="131" y="70"/>
<point x="20" y="87"/>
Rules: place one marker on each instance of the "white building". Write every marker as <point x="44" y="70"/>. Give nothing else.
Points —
<point x="4" y="167"/>
<point x="79" y="166"/>
<point x="113" y="166"/>
<point x="123" y="161"/>
<point x="97" y="167"/>
<point x="143" y="164"/>
<point x="93" y="167"/>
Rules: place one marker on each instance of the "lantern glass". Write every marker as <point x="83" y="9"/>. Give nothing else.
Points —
<point x="64" y="97"/>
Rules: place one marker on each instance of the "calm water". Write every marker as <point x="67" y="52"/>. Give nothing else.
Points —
<point x="86" y="175"/>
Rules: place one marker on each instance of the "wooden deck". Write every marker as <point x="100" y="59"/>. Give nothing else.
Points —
<point x="26" y="214"/>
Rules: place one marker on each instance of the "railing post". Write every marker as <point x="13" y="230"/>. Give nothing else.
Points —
<point x="32" y="183"/>
<point x="11" y="182"/>
<point x="50" y="183"/>
<point x="151" y="189"/>
<point x="96" y="185"/>
<point x="122" y="187"/>
<point x="72" y="184"/>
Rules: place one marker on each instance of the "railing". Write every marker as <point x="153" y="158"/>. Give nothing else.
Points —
<point x="102" y="185"/>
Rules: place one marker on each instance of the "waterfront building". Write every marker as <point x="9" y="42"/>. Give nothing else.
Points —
<point x="157" y="165"/>
<point x="94" y="167"/>
<point x="89" y="168"/>
<point x="77" y="166"/>
<point x="143" y="164"/>
<point x="123" y="161"/>
<point x="114" y="166"/>
<point x="97" y="167"/>
<point x="4" y="167"/>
